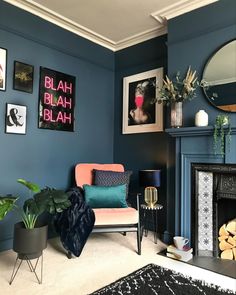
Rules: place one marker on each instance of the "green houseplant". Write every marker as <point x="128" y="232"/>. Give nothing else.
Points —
<point x="30" y="235"/>
<point x="6" y="205"/>
<point x="44" y="200"/>
<point x="222" y="132"/>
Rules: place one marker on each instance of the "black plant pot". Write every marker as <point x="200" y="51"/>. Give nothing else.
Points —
<point x="29" y="243"/>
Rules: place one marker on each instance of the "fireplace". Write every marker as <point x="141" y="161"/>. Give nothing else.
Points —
<point x="191" y="146"/>
<point x="213" y="204"/>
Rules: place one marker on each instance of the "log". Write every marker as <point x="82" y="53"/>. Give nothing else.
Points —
<point x="234" y="252"/>
<point x="234" y="237"/>
<point x="227" y="254"/>
<point x="225" y="245"/>
<point x="221" y="238"/>
<point x="231" y="241"/>
<point x="223" y="231"/>
<point x="231" y="227"/>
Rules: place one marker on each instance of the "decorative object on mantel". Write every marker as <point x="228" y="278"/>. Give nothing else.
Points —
<point x="222" y="131"/>
<point x="175" y="92"/>
<point x="201" y="118"/>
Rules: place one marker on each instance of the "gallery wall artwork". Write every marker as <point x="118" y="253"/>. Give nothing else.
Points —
<point x="3" y="69"/>
<point x="141" y="112"/>
<point x="23" y="77"/>
<point x="15" y="119"/>
<point x="56" y="100"/>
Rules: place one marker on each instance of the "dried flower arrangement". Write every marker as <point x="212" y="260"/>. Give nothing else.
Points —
<point x="179" y="90"/>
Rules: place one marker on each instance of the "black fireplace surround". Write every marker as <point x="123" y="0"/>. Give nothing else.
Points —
<point x="224" y="199"/>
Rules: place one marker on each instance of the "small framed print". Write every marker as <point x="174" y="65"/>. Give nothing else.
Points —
<point x="15" y="119"/>
<point x="23" y="77"/>
<point x="141" y="112"/>
<point x="3" y="69"/>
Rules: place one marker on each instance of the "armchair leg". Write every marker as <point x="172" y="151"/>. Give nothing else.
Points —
<point x="139" y="237"/>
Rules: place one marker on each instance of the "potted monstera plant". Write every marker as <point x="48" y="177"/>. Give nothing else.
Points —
<point x="30" y="235"/>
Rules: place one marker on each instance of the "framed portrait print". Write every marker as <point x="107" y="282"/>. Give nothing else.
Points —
<point x="141" y="112"/>
<point x="23" y="77"/>
<point x="3" y="69"/>
<point x="15" y="119"/>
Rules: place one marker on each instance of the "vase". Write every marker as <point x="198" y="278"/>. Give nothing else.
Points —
<point x="201" y="118"/>
<point x="176" y="113"/>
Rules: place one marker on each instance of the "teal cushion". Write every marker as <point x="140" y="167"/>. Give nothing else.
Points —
<point x="105" y="196"/>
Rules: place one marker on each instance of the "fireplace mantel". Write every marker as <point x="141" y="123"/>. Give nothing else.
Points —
<point x="192" y="145"/>
<point x="193" y="131"/>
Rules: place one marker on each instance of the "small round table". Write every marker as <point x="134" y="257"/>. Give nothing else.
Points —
<point x="154" y="211"/>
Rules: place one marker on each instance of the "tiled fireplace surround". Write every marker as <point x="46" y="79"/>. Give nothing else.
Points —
<point x="194" y="161"/>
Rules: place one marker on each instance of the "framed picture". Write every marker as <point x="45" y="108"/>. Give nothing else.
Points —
<point x="3" y="69"/>
<point x="141" y="112"/>
<point x="56" y="100"/>
<point x="15" y="119"/>
<point x="23" y="77"/>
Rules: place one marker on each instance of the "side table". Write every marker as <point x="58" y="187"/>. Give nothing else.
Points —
<point x="154" y="212"/>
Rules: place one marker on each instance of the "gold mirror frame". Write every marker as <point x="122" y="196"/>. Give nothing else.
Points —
<point x="219" y="77"/>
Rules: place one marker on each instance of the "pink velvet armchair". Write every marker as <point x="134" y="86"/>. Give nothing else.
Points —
<point x="110" y="220"/>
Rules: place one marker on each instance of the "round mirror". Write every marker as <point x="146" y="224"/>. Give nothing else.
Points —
<point x="219" y="78"/>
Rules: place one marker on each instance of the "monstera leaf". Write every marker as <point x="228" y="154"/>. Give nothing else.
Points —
<point x="47" y="200"/>
<point x="6" y="205"/>
<point x="30" y="185"/>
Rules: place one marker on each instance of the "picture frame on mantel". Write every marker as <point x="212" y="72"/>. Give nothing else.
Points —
<point x="3" y="69"/>
<point x="141" y="112"/>
<point x="15" y="119"/>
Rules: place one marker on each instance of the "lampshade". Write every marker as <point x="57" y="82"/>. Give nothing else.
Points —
<point x="150" y="178"/>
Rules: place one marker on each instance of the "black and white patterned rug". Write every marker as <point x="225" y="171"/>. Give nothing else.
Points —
<point x="153" y="279"/>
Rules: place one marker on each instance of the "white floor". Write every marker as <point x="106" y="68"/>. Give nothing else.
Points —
<point x="105" y="258"/>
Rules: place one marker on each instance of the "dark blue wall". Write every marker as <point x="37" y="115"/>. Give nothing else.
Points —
<point x="192" y="39"/>
<point x="44" y="156"/>
<point x="141" y="150"/>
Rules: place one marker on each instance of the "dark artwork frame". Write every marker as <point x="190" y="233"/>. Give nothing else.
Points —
<point x="15" y="119"/>
<point x="3" y="69"/>
<point x="56" y="100"/>
<point x="23" y="77"/>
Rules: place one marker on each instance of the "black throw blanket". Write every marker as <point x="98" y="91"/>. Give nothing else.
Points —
<point x="75" y="223"/>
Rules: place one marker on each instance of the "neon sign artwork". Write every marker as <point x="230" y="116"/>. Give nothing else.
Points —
<point x="56" y="100"/>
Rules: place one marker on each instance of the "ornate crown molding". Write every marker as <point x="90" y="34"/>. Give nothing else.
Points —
<point x="179" y="8"/>
<point x="161" y="16"/>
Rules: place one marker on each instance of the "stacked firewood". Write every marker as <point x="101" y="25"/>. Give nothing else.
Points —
<point x="227" y="240"/>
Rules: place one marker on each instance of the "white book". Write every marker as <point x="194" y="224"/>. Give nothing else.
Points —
<point x="173" y="249"/>
<point x="177" y="257"/>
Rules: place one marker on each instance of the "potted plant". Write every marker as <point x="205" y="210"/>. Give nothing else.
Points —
<point x="222" y="130"/>
<point x="30" y="235"/>
<point x="175" y="92"/>
<point x="6" y="205"/>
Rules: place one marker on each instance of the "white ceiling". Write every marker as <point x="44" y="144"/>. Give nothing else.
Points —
<point x="114" y="24"/>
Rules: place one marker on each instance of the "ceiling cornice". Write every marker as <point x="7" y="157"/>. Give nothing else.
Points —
<point x="161" y="16"/>
<point x="179" y="8"/>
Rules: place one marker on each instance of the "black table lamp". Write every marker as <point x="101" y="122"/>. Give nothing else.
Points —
<point x="150" y="179"/>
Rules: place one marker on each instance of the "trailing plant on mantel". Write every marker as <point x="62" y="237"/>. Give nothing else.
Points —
<point x="222" y="132"/>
